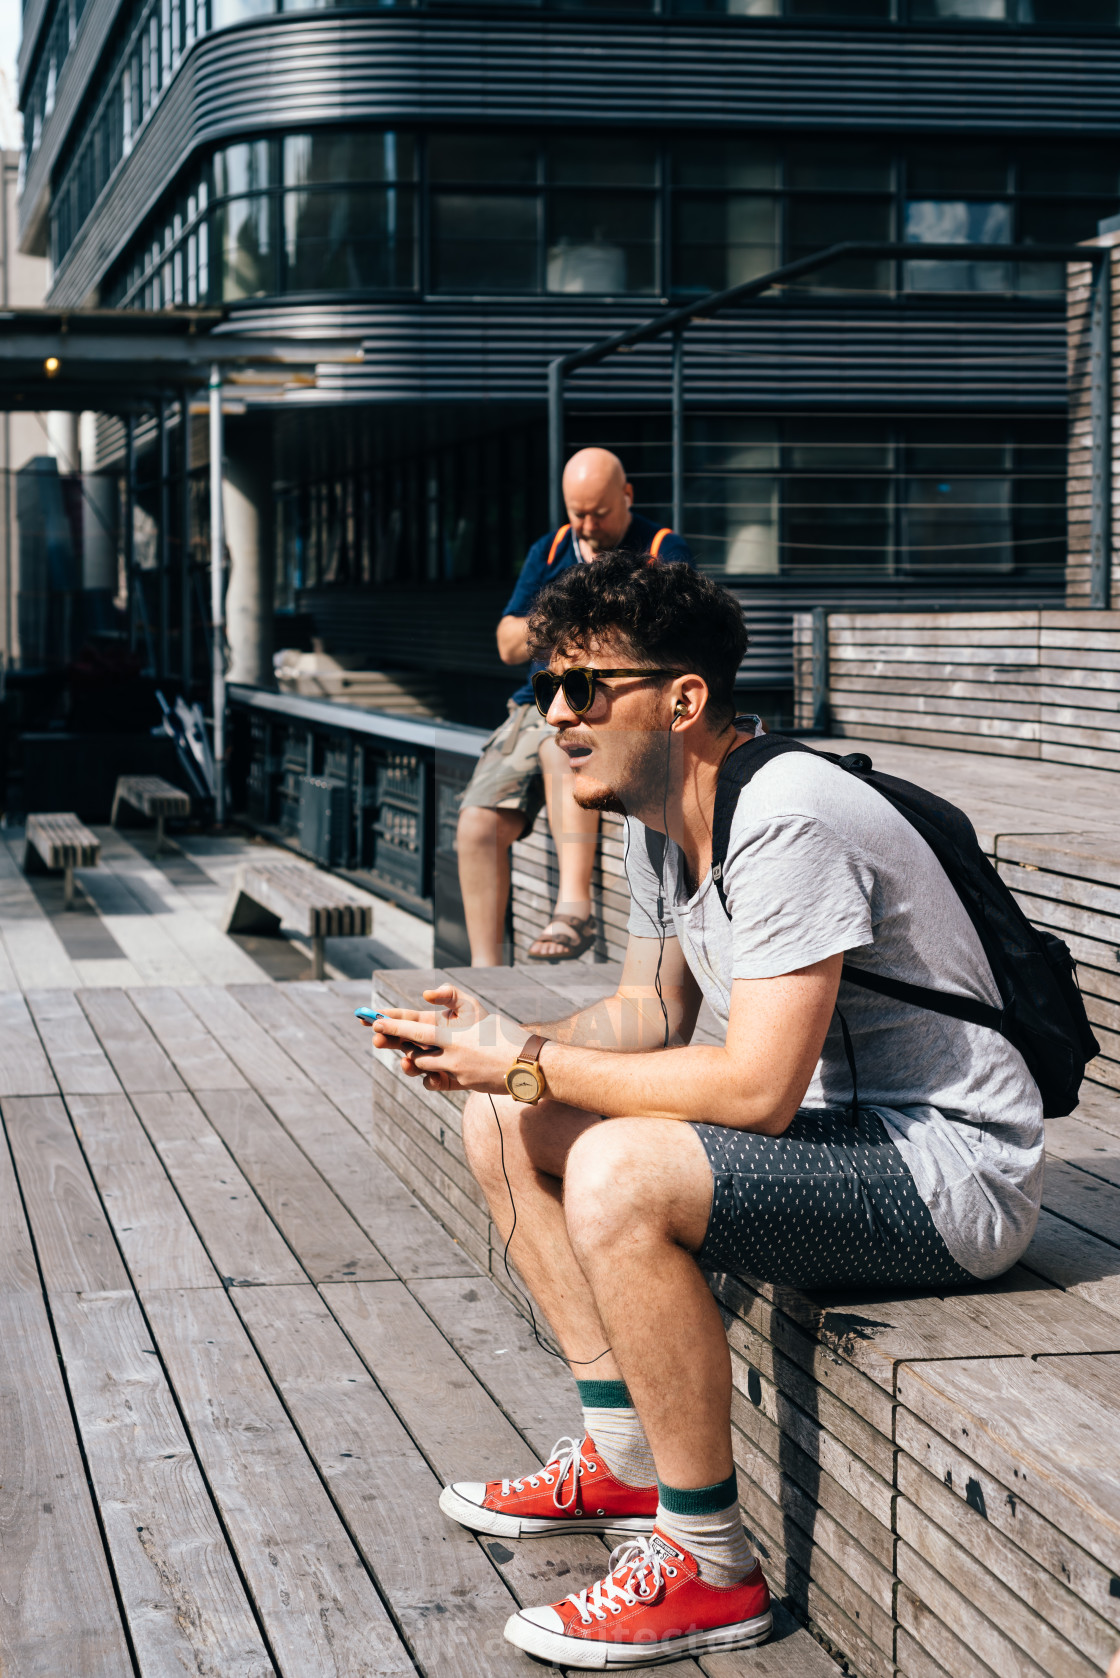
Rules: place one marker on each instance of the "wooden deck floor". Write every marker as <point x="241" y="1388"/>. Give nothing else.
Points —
<point x="237" y="1358"/>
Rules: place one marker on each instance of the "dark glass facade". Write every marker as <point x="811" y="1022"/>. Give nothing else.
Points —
<point x="602" y="214"/>
<point x="473" y="188"/>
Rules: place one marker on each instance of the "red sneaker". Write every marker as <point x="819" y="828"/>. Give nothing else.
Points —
<point x="575" y="1491"/>
<point x="652" y="1607"/>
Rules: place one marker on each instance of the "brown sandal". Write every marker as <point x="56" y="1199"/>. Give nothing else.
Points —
<point x="573" y="934"/>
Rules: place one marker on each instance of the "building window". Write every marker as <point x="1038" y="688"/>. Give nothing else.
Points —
<point x="349" y="212"/>
<point x="485" y="212"/>
<point x="602" y="215"/>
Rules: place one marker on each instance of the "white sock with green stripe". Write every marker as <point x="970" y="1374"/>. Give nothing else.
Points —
<point x="707" y="1522"/>
<point x="611" y="1420"/>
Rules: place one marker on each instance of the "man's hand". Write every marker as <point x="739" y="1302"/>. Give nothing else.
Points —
<point x="473" y="1046"/>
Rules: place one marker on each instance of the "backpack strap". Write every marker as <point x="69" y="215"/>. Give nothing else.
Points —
<point x="556" y="541"/>
<point x="655" y="545"/>
<point x="738" y="768"/>
<point x="920" y="996"/>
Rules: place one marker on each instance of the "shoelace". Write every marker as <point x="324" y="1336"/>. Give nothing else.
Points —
<point x="634" y="1571"/>
<point x="565" y="1455"/>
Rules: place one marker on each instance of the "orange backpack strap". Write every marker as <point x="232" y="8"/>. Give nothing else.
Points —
<point x="556" y="541"/>
<point x="655" y="545"/>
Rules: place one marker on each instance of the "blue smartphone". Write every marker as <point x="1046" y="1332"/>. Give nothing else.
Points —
<point x="370" y="1015"/>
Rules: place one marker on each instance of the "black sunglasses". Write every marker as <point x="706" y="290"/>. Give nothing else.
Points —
<point x="578" y="683"/>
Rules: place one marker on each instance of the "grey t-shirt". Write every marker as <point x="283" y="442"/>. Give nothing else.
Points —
<point x="820" y="863"/>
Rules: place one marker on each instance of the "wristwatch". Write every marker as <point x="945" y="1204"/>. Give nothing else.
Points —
<point x="525" y="1080"/>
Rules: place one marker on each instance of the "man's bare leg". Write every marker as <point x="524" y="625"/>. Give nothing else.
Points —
<point x="574" y="832"/>
<point x="536" y="1142"/>
<point x="484" y="840"/>
<point x="637" y="1198"/>
<point x="611" y="1264"/>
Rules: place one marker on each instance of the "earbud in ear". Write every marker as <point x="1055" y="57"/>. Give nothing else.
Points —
<point x="680" y="709"/>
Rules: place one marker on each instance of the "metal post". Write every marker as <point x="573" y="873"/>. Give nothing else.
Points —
<point x="130" y="527"/>
<point x="555" y="441"/>
<point x="820" y="670"/>
<point x="217" y="595"/>
<point x="1100" y="406"/>
<point x="164" y="542"/>
<point x="678" y="429"/>
<point x="185" y="647"/>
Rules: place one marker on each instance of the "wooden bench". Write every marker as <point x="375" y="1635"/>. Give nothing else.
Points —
<point x="154" y="797"/>
<point x="267" y="894"/>
<point x="59" y="840"/>
<point x="932" y="1483"/>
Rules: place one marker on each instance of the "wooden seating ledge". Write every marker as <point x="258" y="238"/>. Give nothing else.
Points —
<point x="933" y="1483"/>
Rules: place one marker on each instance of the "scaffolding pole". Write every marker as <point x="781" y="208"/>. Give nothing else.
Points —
<point x="217" y="595"/>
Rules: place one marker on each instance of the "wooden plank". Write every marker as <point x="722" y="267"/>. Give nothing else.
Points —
<point x="987" y="1643"/>
<point x="820" y="1597"/>
<point x="199" y="1060"/>
<point x="411" y="1241"/>
<point x="1082" y="1200"/>
<point x="818" y="1527"/>
<point x="320" y="1231"/>
<point x="158" y="1240"/>
<point x="1100" y="1108"/>
<point x="809" y="1548"/>
<point x="319" y="1609"/>
<point x="1031" y="1431"/>
<point x="183" y="1601"/>
<point x="137" y="1058"/>
<point x="318" y="1055"/>
<point x="913" y="1662"/>
<point x="1085" y="1147"/>
<point x="138" y="926"/>
<point x="77" y="1058"/>
<point x="1036" y="1317"/>
<point x="872" y="1491"/>
<point x="75" y="1247"/>
<point x="760" y="1332"/>
<point x="185" y="1605"/>
<point x="243" y="1242"/>
<point x="1098" y="1376"/>
<point x="946" y="1650"/>
<point x="182" y="915"/>
<point x="58" y="1612"/>
<point x="402" y="1161"/>
<point x="790" y="1653"/>
<point x="976" y="1540"/>
<point x="535" y="1390"/>
<point x="1075" y="1260"/>
<point x="877" y="1336"/>
<point x="34" y="950"/>
<point x="771" y="1460"/>
<point x="24" y="1068"/>
<point x="264" y="1064"/>
<point x="421" y="1561"/>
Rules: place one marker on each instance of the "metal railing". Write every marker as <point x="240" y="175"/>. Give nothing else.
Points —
<point x="675" y="322"/>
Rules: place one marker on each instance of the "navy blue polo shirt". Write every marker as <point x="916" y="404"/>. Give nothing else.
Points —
<point x="536" y="572"/>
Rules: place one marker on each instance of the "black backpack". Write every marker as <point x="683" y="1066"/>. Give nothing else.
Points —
<point x="1043" y="1014"/>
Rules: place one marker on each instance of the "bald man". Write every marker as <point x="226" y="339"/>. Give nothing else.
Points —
<point x="520" y="764"/>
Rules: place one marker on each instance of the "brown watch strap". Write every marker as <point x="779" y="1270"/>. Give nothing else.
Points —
<point x="533" y="1047"/>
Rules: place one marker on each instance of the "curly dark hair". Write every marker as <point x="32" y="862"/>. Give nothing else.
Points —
<point x="670" y="615"/>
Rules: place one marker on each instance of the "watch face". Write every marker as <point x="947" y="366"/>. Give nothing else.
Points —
<point x="522" y="1084"/>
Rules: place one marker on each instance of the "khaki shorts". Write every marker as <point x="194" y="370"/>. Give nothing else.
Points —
<point x="508" y="775"/>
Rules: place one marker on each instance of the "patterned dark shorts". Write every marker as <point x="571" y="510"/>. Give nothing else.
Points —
<point x="827" y="1205"/>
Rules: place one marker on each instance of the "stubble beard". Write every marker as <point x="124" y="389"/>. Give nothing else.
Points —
<point x="643" y="771"/>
